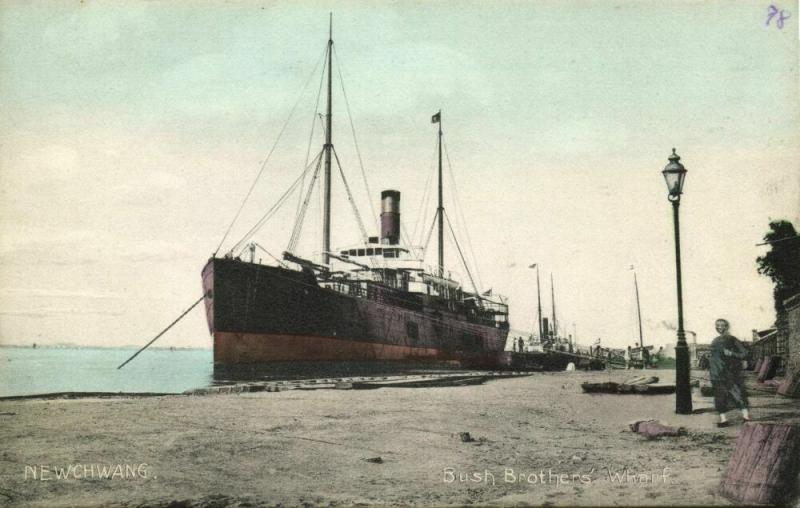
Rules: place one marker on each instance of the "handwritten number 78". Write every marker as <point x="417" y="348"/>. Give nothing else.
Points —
<point x="773" y="11"/>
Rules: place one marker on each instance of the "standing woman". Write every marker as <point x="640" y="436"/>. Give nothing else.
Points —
<point x="725" y="371"/>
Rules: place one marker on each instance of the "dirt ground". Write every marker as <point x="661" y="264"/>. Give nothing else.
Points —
<point x="538" y="440"/>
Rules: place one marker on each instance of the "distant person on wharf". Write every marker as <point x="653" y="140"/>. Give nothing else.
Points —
<point x="725" y="371"/>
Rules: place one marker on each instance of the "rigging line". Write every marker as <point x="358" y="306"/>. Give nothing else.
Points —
<point x="350" y="198"/>
<point x="272" y="210"/>
<point x="423" y="209"/>
<point x="162" y="332"/>
<point x="364" y="235"/>
<point x="430" y="231"/>
<point x="300" y="218"/>
<point x="355" y="140"/>
<point x="264" y="164"/>
<point x="313" y="126"/>
<point x="270" y="255"/>
<point x="461" y="213"/>
<point x="469" y="274"/>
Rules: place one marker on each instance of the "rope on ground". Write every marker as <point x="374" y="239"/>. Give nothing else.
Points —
<point x="162" y="332"/>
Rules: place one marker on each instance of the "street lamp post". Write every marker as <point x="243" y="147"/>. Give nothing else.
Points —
<point x="674" y="174"/>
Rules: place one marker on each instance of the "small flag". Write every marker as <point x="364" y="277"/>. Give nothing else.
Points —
<point x="487" y="292"/>
<point x="532" y="266"/>
<point x="437" y="117"/>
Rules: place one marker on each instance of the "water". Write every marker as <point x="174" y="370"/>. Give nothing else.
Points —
<point x="28" y="371"/>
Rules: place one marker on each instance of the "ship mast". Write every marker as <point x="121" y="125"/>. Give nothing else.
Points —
<point x="638" y="310"/>
<point x="326" y="224"/>
<point x="539" y="299"/>
<point x="553" y="299"/>
<point x="440" y="210"/>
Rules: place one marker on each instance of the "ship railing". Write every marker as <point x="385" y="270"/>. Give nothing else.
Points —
<point x="371" y="291"/>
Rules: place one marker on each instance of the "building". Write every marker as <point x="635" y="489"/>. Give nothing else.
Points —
<point x="792" y="333"/>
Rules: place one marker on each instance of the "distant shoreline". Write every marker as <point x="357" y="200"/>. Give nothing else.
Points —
<point x="89" y="346"/>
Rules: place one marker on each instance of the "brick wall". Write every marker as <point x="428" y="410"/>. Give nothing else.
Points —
<point x="792" y="306"/>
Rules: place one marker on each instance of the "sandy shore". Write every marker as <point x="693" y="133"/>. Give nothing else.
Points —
<point x="538" y="441"/>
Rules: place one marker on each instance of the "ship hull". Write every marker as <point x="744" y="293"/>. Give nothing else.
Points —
<point x="260" y="314"/>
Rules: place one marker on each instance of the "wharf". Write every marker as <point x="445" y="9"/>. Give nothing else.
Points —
<point x="551" y="360"/>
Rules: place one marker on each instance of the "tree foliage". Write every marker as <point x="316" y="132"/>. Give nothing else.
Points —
<point x="782" y="262"/>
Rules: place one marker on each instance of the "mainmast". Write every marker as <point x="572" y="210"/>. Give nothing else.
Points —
<point x="326" y="224"/>
<point x="437" y="118"/>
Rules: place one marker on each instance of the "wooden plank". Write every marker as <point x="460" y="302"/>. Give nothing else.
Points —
<point x="641" y="380"/>
<point x="609" y="387"/>
<point x="654" y="389"/>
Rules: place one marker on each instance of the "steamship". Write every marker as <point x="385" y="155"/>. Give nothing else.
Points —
<point x="371" y="301"/>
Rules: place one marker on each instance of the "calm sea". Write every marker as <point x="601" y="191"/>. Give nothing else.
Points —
<point x="28" y="371"/>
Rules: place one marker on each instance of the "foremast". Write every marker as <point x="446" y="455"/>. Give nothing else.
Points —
<point x="326" y="224"/>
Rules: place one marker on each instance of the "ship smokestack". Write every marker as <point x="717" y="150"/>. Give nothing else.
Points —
<point x="390" y="217"/>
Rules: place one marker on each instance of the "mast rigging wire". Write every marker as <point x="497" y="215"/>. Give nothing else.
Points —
<point x="426" y="193"/>
<point x="266" y="160"/>
<point x="355" y="141"/>
<point x="300" y="217"/>
<point x="469" y="274"/>
<point x="430" y="231"/>
<point x="313" y="126"/>
<point x="274" y="208"/>
<point x="364" y="234"/>
<point x="460" y="209"/>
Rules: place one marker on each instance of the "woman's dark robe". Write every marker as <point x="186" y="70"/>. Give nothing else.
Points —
<point x="726" y="373"/>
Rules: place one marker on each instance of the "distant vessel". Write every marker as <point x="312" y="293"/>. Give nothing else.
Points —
<point x="370" y="301"/>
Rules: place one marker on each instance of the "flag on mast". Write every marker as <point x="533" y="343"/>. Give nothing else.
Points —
<point x="437" y="117"/>
<point x="532" y="266"/>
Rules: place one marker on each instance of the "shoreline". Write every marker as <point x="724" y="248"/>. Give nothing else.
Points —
<point x="391" y="446"/>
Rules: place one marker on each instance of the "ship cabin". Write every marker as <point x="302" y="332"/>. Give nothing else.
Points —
<point x="383" y="270"/>
<point x="396" y="274"/>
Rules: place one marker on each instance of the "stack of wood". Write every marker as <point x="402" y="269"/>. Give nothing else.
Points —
<point x="764" y="465"/>
<point x="640" y="384"/>
<point x="629" y="385"/>
<point x="791" y="385"/>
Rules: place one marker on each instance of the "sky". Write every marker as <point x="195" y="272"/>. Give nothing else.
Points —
<point x="131" y="132"/>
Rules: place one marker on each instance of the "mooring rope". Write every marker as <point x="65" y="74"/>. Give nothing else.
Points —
<point x="162" y="332"/>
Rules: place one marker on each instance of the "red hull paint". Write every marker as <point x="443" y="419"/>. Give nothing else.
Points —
<point x="232" y="347"/>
